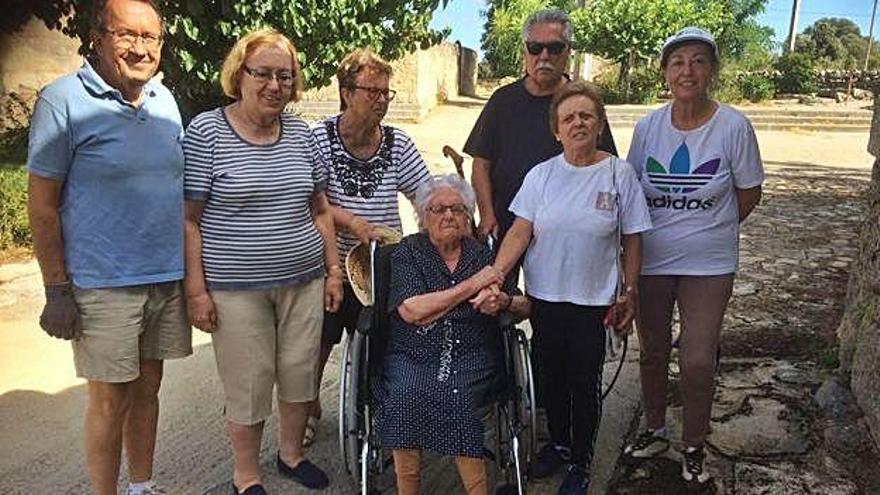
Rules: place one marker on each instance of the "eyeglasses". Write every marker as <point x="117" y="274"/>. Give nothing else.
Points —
<point x="456" y="209"/>
<point x="389" y="94"/>
<point x="553" y="48"/>
<point x="284" y="77"/>
<point x="127" y="39"/>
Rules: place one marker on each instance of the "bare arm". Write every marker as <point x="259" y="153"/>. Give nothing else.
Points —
<point x="43" y="198"/>
<point x="624" y="308"/>
<point x="348" y="221"/>
<point x="427" y="308"/>
<point x="514" y="245"/>
<point x="200" y="305"/>
<point x="323" y="215"/>
<point x="746" y="200"/>
<point x="483" y="189"/>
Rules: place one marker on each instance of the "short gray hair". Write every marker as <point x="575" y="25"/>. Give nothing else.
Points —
<point x="426" y="191"/>
<point x="548" y="16"/>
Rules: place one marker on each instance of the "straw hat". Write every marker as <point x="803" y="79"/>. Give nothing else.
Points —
<point x="357" y="263"/>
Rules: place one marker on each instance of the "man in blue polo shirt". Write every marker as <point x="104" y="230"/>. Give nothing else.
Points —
<point x="106" y="211"/>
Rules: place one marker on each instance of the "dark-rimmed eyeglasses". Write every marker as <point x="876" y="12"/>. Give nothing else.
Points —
<point x="127" y="39"/>
<point x="388" y="94"/>
<point x="456" y="209"/>
<point x="553" y="48"/>
<point x="284" y="77"/>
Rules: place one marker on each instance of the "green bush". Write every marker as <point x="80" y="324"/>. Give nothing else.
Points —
<point x="756" y="87"/>
<point x="645" y="85"/>
<point x="14" y="228"/>
<point x="726" y="88"/>
<point x="796" y="74"/>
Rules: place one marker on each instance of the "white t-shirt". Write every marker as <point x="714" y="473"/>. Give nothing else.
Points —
<point x="689" y="179"/>
<point x="572" y="256"/>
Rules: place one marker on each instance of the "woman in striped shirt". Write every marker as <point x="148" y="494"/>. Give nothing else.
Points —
<point x="261" y="258"/>
<point x="368" y="163"/>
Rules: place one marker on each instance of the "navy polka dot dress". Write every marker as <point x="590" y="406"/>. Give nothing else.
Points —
<point x="436" y="376"/>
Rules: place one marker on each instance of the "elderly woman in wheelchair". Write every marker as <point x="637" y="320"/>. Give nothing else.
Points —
<point x="441" y="361"/>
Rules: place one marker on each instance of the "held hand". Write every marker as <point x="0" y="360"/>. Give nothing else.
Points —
<point x="364" y="230"/>
<point x="60" y="317"/>
<point x="202" y="313"/>
<point x="487" y="301"/>
<point x="489" y="275"/>
<point x="332" y="293"/>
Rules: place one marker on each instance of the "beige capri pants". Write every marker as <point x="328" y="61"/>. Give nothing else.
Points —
<point x="266" y="337"/>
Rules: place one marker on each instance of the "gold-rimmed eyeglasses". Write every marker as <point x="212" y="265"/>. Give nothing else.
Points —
<point x="284" y="77"/>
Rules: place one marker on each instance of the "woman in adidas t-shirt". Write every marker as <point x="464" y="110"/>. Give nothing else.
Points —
<point x="700" y="168"/>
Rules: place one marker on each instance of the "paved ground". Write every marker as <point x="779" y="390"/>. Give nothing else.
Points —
<point x="41" y="403"/>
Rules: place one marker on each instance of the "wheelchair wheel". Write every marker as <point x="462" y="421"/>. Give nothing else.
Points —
<point x="526" y="403"/>
<point x="354" y="413"/>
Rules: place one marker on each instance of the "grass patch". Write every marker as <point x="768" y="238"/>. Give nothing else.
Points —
<point x="15" y="231"/>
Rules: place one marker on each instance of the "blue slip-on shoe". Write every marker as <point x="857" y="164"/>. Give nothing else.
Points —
<point x="251" y="490"/>
<point x="305" y="473"/>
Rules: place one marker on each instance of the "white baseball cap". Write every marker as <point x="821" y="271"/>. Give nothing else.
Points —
<point x="690" y="33"/>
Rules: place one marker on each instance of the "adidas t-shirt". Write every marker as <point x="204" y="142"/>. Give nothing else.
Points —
<point x="572" y="256"/>
<point x="689" y="179"/>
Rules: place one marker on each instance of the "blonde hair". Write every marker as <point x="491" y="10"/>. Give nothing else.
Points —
<point x="230" y="74"/>
<point x="352" y="65"/>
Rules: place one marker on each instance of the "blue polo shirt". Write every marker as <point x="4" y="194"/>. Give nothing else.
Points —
<point x="122" y="167"/>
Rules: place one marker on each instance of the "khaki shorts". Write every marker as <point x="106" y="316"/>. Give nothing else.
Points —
<point x="124" y="325"/>
<point x="264" y="337"/>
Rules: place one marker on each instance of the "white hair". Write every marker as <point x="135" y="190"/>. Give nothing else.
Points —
<point x="426" y="191"/>
<point x="548" y="16"/>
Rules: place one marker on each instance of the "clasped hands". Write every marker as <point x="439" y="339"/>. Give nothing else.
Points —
<point x="489" y="298"/>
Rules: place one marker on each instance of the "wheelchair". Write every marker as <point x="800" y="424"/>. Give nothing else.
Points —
<point x="512" y="408"/>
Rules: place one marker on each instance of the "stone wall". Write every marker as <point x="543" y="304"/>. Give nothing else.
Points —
<point x="422" y="79"/>
<point x="467" y="71"/>
<point x="29" y="59"/>
<point x="859" y="331"/>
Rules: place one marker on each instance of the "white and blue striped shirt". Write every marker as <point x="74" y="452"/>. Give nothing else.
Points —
<point x="256" y="226"/>
<point x="368" y="188"/>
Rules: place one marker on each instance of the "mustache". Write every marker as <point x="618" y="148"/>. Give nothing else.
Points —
<point x="545" y="65"/>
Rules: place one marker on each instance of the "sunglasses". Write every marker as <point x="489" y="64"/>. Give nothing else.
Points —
<point x="553" y="48"/>
<point x="456" y="209"/>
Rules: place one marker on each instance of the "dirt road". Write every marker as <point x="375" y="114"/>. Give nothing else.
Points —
<point x="41" y="402"/>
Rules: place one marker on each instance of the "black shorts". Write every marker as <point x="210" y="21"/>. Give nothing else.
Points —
<point x="346" y="317"/>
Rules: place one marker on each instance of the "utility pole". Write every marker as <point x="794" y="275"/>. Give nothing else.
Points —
<point x="792" y="29"/>
<point x="871" y="35"/>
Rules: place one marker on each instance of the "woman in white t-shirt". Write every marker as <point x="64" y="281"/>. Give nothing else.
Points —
<point x="567" y="215"/>
<point x="700" y="168"/>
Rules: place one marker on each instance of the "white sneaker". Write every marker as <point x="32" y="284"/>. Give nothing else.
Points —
<point x="648" y="444"/>
<point x="693" y="465"/>
<point x="150" y="488"/>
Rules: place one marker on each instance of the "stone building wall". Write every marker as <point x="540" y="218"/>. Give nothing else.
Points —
<point x="859" y="331"/>
<point x="29" y="59"/>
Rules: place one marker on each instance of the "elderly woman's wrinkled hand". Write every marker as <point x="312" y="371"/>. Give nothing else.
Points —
<point x="489" y="275"/>
<point x="490" y="300"/>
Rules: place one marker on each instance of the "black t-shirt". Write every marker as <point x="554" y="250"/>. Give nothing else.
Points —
<point x="513" y="132"/>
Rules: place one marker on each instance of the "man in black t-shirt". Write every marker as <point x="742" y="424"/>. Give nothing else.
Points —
<point x="513" y="134"/>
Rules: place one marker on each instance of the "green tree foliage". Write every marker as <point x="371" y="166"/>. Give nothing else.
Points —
<point x="631" y="32"/>
<point x="200" y="32"/>
<point x="835" y="43"/>
<point x="796" y="73"/>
